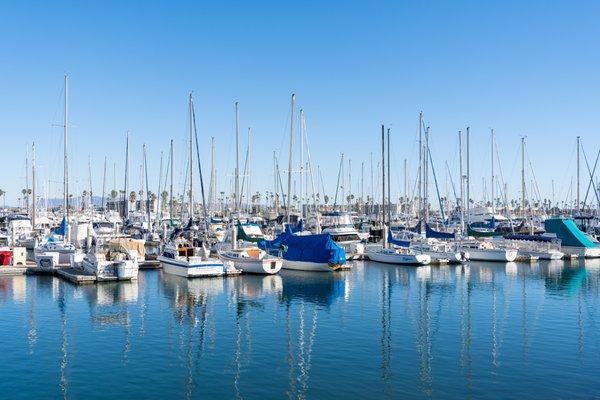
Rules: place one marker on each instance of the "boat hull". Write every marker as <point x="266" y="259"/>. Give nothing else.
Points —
<point x="192" y="269"/>
<point x="308" y="266"/>
<point x="500" y="255"/>
<point x="399" y="259"/>
<point x="255" y="266"/>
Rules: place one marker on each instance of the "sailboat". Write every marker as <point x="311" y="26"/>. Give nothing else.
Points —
<point x="392" y="251"/>
<point x="59" y="251"/>
<point x="187" y="252"/>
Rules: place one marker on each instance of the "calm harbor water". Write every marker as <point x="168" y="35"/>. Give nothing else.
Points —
<point x="483" y="331"/>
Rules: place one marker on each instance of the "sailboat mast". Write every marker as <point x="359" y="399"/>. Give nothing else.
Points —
<point x="289" y="187"/>
<point x="462" y="195"/>
<point x="493" y="203"/>
<point x="383" y="183"/>
<point x="147" y="190"/>
<point x="237" y="157"/>
<point x="126" y="188"/>
<point x="468" y="179"/>
<point x="426" y="177"/>
<point x="211" y="192"/>
<point x="191" y="155"/>
<point x="389" y="186"/>
<point x="65" y="151"/>
<point x="171" y="185"/>
<point x="523" y="176"/>
<point x="578" y="148"/>
<point x="33" y="185"/>
<point x="420" y="197"/>
<point x="301" y="197"/>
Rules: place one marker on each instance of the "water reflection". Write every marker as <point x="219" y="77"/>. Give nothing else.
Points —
<point x="422" y="327"/>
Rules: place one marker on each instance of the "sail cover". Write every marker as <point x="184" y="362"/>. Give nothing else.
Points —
<point x="396" y="242"/>
<point x="63" y="228"/>
<point x="430" y="233"/>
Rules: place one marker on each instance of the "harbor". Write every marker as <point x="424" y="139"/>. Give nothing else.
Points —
<point x="316" y="200"/>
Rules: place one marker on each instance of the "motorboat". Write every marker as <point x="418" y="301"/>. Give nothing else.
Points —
<point x="252" y="260"/>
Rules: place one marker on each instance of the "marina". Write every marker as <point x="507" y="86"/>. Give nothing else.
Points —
<point x="316" y="200"/>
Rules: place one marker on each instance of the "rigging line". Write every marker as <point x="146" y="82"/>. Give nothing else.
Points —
<point x="591" y="183"/>
<point x="200" y="171"/>
<point x="451" y="182"/>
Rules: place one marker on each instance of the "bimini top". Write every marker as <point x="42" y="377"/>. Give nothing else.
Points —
<point x="308" y="248"/>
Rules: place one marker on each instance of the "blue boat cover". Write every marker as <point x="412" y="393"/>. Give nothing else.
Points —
<point x="396" y="242"/>
<point x="309" y="248"/>
<point x="299" y="227"/>
<point x="430" y="233"/>
<point x="63" y="229"/>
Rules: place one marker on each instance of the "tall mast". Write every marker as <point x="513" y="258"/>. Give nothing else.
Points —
<point x="147" y="190"/>
<point x="33" y="185"/>
<point x="523" y="176"/>
<point x="468" y="179"/>
<point x="493" y="203"/>
<point x="26" y="196"/>
<point x="126" y="188"/>
<point x="237" y="156"/>
<point x="301" y="205"/>
<point x="383" y="182"/>
<point x="171" y="185"/>
<point x="420" y="199"/>
<point x="462" y="195"/>
<point x="289" y="187"/>
<point x="389" y="186"/>
<point x="159" y="193"/>
<point x="578" y="147"/>
<point x="65" y="153"/>
<point x="426" y="176"/>
<point x="372" y="185"/>
<point x="191" y="195"/>
<point x="362" y="185"/>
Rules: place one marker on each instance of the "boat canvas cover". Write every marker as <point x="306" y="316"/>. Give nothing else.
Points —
<point x="129" y="244"/>
<point x="308" y="248"/>
<point x="249" y="233"/>
<point x="568" y="232"/>
<point x="396" y="242"/>
<point x="430" y="233"/>
<point x="63" y="228"/>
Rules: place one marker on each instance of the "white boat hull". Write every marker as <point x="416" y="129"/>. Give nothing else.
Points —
<point x="211" y="267"/>
<point x="255" y="266"/>
<point x="307" y="266"/>
<point x="501" y="255"/>
<point x="542" y="255"/>
<point x="391" y="257"/>
<point x="582" y="252"/>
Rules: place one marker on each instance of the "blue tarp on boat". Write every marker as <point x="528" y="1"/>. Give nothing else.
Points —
<point x="568" y="232"/>
<point x="63" y="229"/>
<point x="430" y="233"/>
<point x="309" y="248"/>
<point x="396" y="242"/>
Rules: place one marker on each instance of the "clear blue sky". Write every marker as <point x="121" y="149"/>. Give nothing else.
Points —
<point x="523" y="68"/>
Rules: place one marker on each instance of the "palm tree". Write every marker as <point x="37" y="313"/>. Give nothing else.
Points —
<point x="2" y="193"/>
<point x="132" y="197"/>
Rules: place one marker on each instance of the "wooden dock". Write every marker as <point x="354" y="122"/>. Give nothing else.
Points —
<point x="76" y="276"/>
